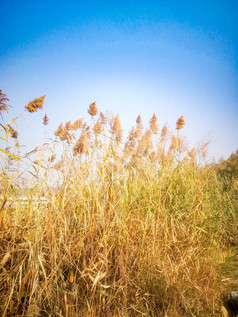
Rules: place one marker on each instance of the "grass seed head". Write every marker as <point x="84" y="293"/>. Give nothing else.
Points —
<point x="180" y="123"/>
<point x="160" y="150"/>
<point x="45" y="120"/>
<point x="68" y="125"/>
<point x="148" y="141"/>
<point x="36" y="104"/>
<point x="130" y="148"/>
<point x="131" y="135"/>
<point x="138" y="130"/>
<point x="76" y="125"/>
<point x="174" y="143"/>
<point x="153" y="157"/>
<point x="81" y="146"/>
<point x="102" y="118"/>
<point x="192" y="154"/>
<point x="153" y="124"/>
<point x="60" y="131"/>
<point x="63" y="133"/>
<point x="4" y="106"/>
<point x="164" y="132"/>
<point x="138" y="120"/>
<point x="58" y="165"/>
<point x="14" y="133"/>
<point x="97" y="128"/>
<point x="116" y="128"/>
<point x="93" y="110"/>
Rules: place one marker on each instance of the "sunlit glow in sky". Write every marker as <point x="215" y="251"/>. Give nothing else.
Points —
<point x="169" y="57"/>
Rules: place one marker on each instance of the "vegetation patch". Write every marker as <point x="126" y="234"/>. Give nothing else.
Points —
<point x="105" y="225"/>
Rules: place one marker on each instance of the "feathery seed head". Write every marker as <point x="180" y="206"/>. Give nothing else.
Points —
<point x="93" y="110"/>
<point x="192" y="154"/>
<point x="141" y="146"/>
<point x="59" y="165"/>
<point x="36" y="104"/>
<point x="160" y="150"/>
<point x="45" y="120"/>
<point x="59" y="130"/>
<point x="76" y="125"/>
<point x="164" y="132"/>
<point x="174" y="143"/>
<point x="148" y="141"/>
<point x="138" y="120"/>
<point x="63" y="133"/>
<point x="116" y="128"/>
<point x="4" y="106"/>
<point x="138" y="130"/>
<point x="102" y="118"/>
<point x="97" y="128"/>
<point x="153" y="157"/>
<point x="81" y="146"/>
<point x="129" y="148"/>
<point x="131" y="135"/>
<point x="14" y="133"/>
<point x="68" y="125"/>
<point x="180" y="123"/>
<point x="153" y="124"/>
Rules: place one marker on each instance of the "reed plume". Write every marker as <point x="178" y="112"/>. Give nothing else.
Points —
<point x="68" y="125"/>
<point x="36" y="104"/>
<point x="138" y="120"/>
<point x="141" y="146"/>
<point x="97" y="128"/>
<point x="148" y="141"/>
<point x="174" y="143"/>
<point x="4" y="106"/>
<point x="131" y="135"/>
<point x="93" y="110"/>
<point x="59" y="130"/>
<point x="180" y="123"/>
<point x="102" y="118"/>
<point x="138" y="131"/>
<point x="81" y="146"/>
<point x="45" y="120"/>
<point x="59" y="165"/>
<point x="130" y="148"/>
<point x="14" y="133"/>
<point x="160" y="150"/>
<point x="88" y="133"/>
<point x="116" y="128"/>
<point x="153" y="124"/>
<point x="192" y="154"/>
<point x="153" y="157"/>
<point x="63" y="133"/>
<point x="145" y="144"/>
<point x="164" y="132"/>
<point x="76" y="125"/>
<point x="130" y="145"/>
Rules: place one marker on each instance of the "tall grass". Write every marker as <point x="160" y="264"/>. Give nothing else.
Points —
<point x="134" y="228"/>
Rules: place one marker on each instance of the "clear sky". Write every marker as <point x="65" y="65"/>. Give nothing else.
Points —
<point x="132" y="57"/>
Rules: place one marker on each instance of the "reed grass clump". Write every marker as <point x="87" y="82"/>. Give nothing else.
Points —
<point x="4" y="103"/>
<point x="36" y="104"/>
<point x="134" y="228"/>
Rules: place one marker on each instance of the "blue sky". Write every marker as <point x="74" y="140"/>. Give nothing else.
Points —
<point x="169" y="57"/>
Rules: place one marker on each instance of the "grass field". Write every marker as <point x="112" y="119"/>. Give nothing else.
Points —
<point x="141" y="227"/>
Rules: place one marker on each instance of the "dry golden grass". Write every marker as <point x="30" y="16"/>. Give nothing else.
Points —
<point x="134" y="229"/>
